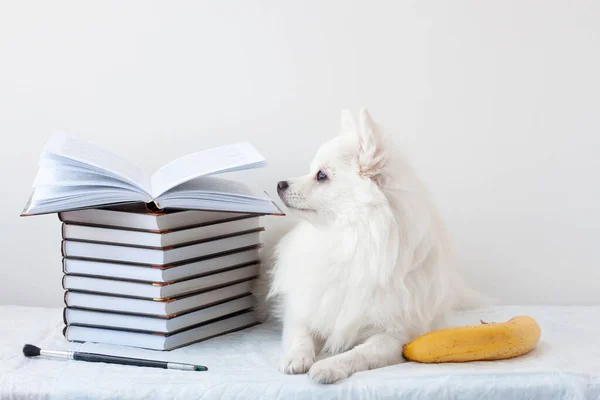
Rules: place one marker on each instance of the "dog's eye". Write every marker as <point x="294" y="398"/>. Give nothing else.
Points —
<point x="321" y="176"/>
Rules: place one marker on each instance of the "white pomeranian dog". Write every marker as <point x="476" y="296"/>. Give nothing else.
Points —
<point x="368" y="267"/>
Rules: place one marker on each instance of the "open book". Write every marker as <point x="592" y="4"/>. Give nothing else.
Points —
<point x="74" y="174"/>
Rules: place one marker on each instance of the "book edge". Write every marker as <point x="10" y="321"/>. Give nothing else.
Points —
<point x="178" y="296"/>
<point x="174" y="247"/>
<point x="166" y="335"/>
<point x="165" y="300"/>
<point x="171" y="265"/>
<point x="167" y="283"/>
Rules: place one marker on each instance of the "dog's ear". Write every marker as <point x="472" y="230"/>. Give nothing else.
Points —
<point x="347" y="125"/>
<point x="371" y="155"/>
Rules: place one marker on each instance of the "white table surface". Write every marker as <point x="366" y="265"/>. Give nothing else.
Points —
<point x="566" y="365"/>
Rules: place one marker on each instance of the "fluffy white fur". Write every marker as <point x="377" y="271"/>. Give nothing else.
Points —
<point x="368" y="267"/>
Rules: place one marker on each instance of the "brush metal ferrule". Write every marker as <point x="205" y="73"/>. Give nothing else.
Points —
<point x="65" y="355"/>
<point x="180" y="366"/>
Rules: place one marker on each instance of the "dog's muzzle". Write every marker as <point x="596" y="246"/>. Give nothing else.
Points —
<point x="282" y="186"/>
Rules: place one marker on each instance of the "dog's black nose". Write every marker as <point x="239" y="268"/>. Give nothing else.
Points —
<point x="282" y="185"/>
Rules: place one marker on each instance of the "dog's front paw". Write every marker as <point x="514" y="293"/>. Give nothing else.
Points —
<point x="296" y="362"/>
<point x="328" y="371"/>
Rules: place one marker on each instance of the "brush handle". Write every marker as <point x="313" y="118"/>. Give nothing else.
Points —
<point x="91" y="357"/>
<point x="138" y="362"/>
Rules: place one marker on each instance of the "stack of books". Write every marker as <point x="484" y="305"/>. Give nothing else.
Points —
<point x="140" y="274"/>
<point x="157" y="280"/>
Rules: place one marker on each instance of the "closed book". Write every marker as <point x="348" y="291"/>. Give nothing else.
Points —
<point x="162" y="341"/>
<point x="158" y="240"/>
<point x="165" y="273"/>
<point x="73" y="316"/>
<point x="159" y="290"/>
<point x="159" y="256"/>
<point x="138" y="217"/>
<point x="161" y="308"/>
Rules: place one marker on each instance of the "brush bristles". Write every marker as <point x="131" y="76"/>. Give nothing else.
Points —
<point x="31" y="351"/>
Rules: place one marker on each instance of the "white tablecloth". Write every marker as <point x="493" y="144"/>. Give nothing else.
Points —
<point x="566" y="365"/>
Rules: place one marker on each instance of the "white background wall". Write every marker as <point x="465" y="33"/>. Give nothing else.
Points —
<point x="498" y="104"/>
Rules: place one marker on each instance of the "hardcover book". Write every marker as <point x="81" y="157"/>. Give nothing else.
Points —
<point x="144" y="323"/>
<point x="160" y="255"/>
<point x="74" y="174"/>
<point x="161" y="273"/>
<point x="160" y="307"/>
<point x="162" y="341"/>
<point x="160" y="290"/>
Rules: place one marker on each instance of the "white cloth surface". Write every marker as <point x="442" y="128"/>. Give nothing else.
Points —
<point x="243" y="365"/>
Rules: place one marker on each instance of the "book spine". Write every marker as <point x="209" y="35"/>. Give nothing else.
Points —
<point x="154" y="206"/>
<point x="62" y="230"/>
<point x="65" y="316"/>
<point x="64" y="265"/>
<point x="65" y="299"/>
<point x="63" y="282"/>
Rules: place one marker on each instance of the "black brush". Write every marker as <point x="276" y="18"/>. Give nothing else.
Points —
<point x="30" y="350"/>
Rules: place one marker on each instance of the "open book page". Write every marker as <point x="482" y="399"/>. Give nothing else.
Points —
<point x="54" y="174"/>
<point x="70" y="150"/>
<point x="219" y="160"/>
<point x="48" y="199"/>
<point x="209" y="186"/>
<point x="213" y="193"/>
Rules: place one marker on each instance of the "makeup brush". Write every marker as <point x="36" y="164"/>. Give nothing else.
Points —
<point x="33" y="351"/>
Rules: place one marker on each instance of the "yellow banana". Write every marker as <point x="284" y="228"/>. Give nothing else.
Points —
<point x="493" y="341"/>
